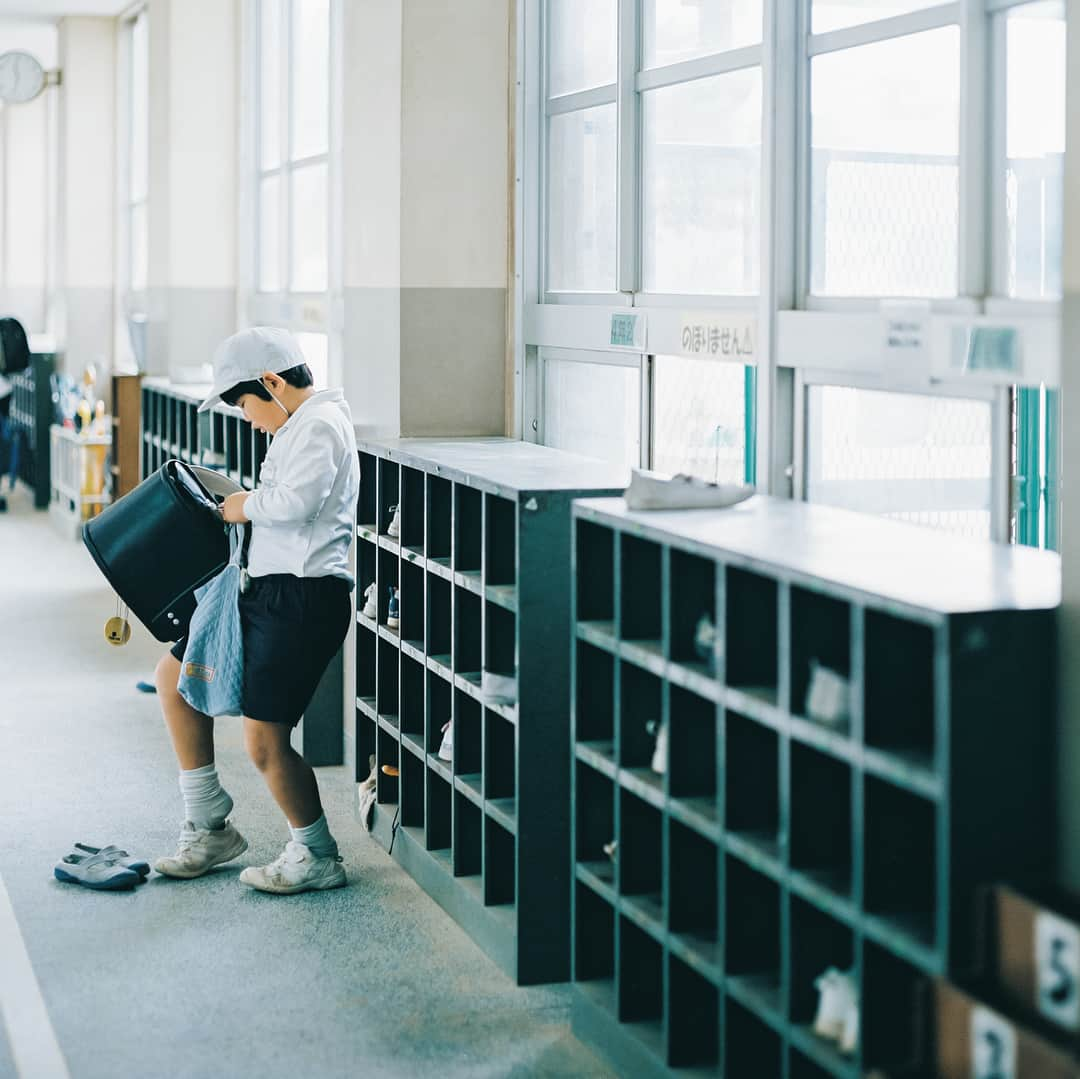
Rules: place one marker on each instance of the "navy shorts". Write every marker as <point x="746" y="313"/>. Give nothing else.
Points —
<point x="292" y="628"/>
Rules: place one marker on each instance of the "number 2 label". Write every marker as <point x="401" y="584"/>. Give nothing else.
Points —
<point x="993" y="1046"/>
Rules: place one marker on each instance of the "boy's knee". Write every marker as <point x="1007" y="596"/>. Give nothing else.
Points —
<point x="167" y="674"/>
<point x="263" y="744"/>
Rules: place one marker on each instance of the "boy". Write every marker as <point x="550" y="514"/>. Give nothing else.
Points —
<point x="294" y="615"/>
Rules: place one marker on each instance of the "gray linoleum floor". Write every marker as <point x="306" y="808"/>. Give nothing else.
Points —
<point x="205" y="977"/>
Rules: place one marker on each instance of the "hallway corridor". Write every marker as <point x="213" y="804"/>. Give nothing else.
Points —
<point x="207" y="977"/>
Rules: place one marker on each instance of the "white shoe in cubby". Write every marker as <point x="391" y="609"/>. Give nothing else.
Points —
<point x="446" y="747"/>
<point x="371" y="602"/>
<point x="394" y="530"/>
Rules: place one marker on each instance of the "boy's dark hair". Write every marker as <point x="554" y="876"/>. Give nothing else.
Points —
<point x="299" y="376"/>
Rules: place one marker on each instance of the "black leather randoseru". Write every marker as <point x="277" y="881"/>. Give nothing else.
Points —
<point x="161" y="541"/>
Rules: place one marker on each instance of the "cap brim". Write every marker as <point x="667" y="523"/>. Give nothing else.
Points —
<point x="209" y="403"/>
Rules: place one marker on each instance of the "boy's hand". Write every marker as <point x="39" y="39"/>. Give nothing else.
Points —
<point x="232" y="509"/>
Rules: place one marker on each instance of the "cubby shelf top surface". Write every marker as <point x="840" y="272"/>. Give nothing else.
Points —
<point x="504" y="463"/>
<point x="842" y="551"/>
<point x="194" y="392"/>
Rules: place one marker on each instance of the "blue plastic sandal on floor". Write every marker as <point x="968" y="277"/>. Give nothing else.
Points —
<point x="97" y="871"/>
<point x="121" y="857"/>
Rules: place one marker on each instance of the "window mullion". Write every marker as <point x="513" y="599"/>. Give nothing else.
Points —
<point x="285" y="141"/>
<point x="628" y="150"/>
<point x="975" y="165"/>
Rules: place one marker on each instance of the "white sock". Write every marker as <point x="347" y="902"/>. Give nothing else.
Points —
<point x="317" y="838"/>
<point x="206" y="803"/>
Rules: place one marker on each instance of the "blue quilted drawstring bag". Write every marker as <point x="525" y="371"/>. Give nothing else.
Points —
<point x="212" y="674"/>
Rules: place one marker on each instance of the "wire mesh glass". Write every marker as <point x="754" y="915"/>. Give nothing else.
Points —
<point x="699" y="418"/>
<point x="922" y="459"/>
<point x="884" y="215"/>
<point x="1035" y="149"/>
<point x="701" y="185"/>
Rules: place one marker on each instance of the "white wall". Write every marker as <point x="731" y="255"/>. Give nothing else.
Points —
<point x="86" y="185"/>
<point x="192" y="201"/>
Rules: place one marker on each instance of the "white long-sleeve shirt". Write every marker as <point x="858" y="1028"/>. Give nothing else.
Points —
<point x="304" y="508"/>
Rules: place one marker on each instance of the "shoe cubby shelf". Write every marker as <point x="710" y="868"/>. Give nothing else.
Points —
<point x="481" y="567"/>
<point x="857" y="739"/>
<point x="172" y="427"/>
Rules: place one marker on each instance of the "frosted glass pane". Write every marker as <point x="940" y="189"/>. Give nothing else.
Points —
<point x="309" y="229"/>
<point x="1035" y="147"/>
<point x="310" y="78"/>
<point x="583" y="36"/>
<point x="140" y="107"/>
<point x="593" y="409"/>
<point x="270" y="75"/>
<point x="701" y="189"/>
<point x="699" y="418"/>
<point x="885" y="132"/>
<point x="269" y="235"/>
<point x="914" y="458"/>
<point x="581" y="208"/>
<point x="676" y="30"/>
<point x="836" y="14"/>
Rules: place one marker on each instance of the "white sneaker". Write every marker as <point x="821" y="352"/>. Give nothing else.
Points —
<point x="849" y="1040"/>
<point x="446" y="747"/>
<point x="827" y="696"/>
<point x="656" y="491"/>
<point x="295" y="870"/>
<point x="371" y="602"/>
<point x="836" y="1000"/>
<point x="499" y="687"/>
<point x="200" y="849"/>
<point x="394" y="529"/>
<point x="660" y="753"/>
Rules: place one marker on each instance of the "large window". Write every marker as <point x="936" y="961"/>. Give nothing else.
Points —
<point x="871" y="188"/>
<point x="650" y="196"/>
<point x="292" y="220"/>
<point x="135" y="155"/>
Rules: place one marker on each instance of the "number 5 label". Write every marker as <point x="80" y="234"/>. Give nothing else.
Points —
<point x="993" y="1046"/>
<point x="1057" y="960"/>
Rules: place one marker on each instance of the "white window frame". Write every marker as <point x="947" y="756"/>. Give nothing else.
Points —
<point x="800" y="336"/>
<point x="300" y="312"/>
<point x="133" y="302"/>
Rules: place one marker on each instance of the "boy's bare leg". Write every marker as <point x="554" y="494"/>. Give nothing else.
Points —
<point x="192" y="732"/>
<point x="289" y="777"/>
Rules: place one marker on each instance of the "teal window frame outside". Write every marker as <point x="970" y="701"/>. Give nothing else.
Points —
<point x="1037" y="476"/>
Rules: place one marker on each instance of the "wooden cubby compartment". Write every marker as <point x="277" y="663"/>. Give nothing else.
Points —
<point x="693" y="596"/>
<point x="468" y="530"/>
<point x="439" y="518"/>
<point x="467" y="640"/>
<point x="594" y="575"/>
<point x="900" y="859"/>
<point x="595" y="691"/>
<point x="389" y="496"/>
<point x="821" y="830"/>
<point x="641" y="591"/>
<point x="820" y="633"/>
<point x="900" y="686"/>
<point x="752" y="784"/>
<point x="412" y="510"/>
<point x="501" y="540"/>
<point x="693" y="1029"/>
<point x="751" y="628"/>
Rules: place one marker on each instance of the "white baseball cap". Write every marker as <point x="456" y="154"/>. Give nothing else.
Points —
<point x="248" y="354"/>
